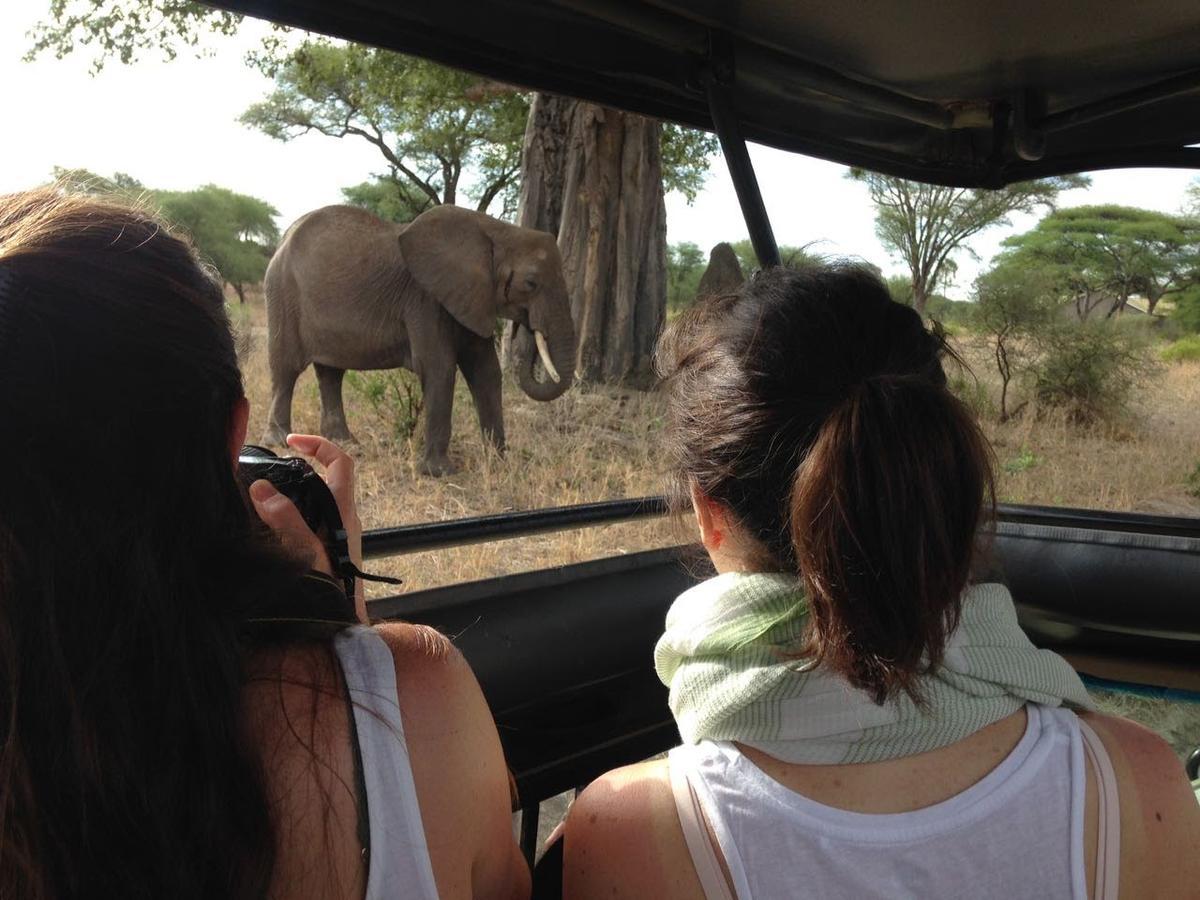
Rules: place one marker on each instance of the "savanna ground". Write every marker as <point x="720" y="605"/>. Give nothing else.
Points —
<point x="601" y="443"/>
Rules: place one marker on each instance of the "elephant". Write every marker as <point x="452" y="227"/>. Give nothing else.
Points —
<point x="347" y="290"/>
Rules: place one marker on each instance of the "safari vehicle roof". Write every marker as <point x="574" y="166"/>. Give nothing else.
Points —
<point x="959" y="92"/>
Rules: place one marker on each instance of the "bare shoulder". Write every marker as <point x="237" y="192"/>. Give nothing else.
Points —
<point x="1158" y="807"/>
<point x="623" y="838"/>
<point x="631" y="795"/>
<point x="458" y="765"/>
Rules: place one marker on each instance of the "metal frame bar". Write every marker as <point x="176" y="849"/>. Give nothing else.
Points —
<point x="395" y="541"/>
<point x="526" y="523"/>
<point x="718" y="80"/>
<point x="1186" y="83"/>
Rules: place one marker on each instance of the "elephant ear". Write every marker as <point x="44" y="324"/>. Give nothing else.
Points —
<point x="450" y="257"/>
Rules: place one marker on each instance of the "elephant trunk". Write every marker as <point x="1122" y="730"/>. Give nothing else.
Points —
<point x="553" y="351"/>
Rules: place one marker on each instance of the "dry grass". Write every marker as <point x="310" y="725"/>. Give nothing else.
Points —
<point x="588" y="445"/>
<point x="601" y="443"/>
<point x="1140" y="465"/>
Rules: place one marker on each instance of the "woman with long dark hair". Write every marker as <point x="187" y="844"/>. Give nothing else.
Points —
<point x="859" y="718"/>
<point x="172" y="722"/>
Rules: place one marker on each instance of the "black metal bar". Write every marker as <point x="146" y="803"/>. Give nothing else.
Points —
<point x="718" y="79"/>
<point x="501" y="526"/>
<point x="482" y="529"/>
<point x="1185" y="83"/>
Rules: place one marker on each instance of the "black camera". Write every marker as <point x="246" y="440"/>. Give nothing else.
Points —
<point x="295" y="479"/>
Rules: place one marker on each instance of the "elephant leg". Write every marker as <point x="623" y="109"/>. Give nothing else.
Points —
<point x="437" y="389"/>
<point x="481" y="368"/>
<point x="279" y="421"/>
<point x="333" y="416"/>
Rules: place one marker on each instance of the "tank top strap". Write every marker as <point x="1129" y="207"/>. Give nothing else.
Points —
<point x="398" y="854"/>
<point x="1108" y="824"/>
<point x="695" y="834"/>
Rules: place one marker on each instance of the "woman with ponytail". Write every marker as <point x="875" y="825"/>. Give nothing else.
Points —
<point x="176" y="721"/>
<point x="859" y="717"/>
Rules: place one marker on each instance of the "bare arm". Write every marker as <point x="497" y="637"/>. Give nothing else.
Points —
<point x="1160" y="819"/>
<point x="458" y="764"/>
<point x="622" y="840"/>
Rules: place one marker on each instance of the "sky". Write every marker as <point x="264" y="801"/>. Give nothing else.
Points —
<point x="173" y="125"/>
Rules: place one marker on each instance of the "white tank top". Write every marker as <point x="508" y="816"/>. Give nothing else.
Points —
<point x="1017" y="833"/>
<point x="398" y="861"/>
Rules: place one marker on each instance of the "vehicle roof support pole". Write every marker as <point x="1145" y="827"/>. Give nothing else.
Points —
<point x="717" y="83"/>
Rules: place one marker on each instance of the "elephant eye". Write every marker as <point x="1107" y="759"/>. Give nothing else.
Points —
<point x="530" y="283"/>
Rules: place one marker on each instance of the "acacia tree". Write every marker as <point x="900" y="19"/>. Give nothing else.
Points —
<point x="1103" y="255"/>
<point x="1012" y="301"/>
<point x="388" y="197"/>
<point x="926" y="225"/>
<point x="235" y="232"/>
<point x="431" y="125"/>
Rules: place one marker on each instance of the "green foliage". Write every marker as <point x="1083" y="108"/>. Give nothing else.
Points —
<point x="393" y="394"/>
<point x="789" y="255"/>
<point x="236" y="232"/>
<point x="1089" y="369"/>
<point x="686" y="155"/>
<point x="1193" y="481"/>
<point x="926" y="225"/>
<point x="1186" y="313"/>
<point x="1185" y="349"/>
<point x="430" y="124"/>
<point x="127" y="29"/>
<point x="388" y="197"/>
<point x="1025" y="460"/>
<point x="1100" y="256"/>
<point x="1012" y="304"/>
<point x="685" y="265"/>
<point x="85" y="181"/>
<point x="970" y="390"/>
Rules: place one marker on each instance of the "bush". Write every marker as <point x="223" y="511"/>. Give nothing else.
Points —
<point x="1193" y="482"/>
<point x="1183" y="350"/>
<point x="393" y="394"/>
<point x="1186" y="313"/>
<point x="971" y="391"/>
<point x="1090" y="369"/>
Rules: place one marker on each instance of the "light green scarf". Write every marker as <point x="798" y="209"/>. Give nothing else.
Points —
<point x="728" y="658"/>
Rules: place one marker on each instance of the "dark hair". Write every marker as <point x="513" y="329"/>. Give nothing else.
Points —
<point x="130" y="567"/>
<point x="815" y="409"/>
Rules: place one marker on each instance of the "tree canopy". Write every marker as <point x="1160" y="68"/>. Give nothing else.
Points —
<point x="388" y="197"/>
<point x="926" y="225"/>
<point x="1100" y="256"/>
<point x="236" y="233"/>
<point x="431" y="125"/>
<point x="1012" y="302"/>
<point x="127" y="29"/>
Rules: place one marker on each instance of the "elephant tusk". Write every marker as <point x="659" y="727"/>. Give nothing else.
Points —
<point x="544" y="353"/>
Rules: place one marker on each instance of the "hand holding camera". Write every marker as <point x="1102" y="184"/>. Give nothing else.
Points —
<point x="288" y="498"/>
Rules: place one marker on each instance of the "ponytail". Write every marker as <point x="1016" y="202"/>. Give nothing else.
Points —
<point x="883" y="514"/>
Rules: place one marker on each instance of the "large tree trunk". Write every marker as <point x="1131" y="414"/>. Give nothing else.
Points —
<point x="613" y="239"/>
<point x="544" y="162"/>
<point x="596" y="173"/>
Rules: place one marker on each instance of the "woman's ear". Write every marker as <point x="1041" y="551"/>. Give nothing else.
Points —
<point x="711" y="518"/>
<point x="238" y="420"/>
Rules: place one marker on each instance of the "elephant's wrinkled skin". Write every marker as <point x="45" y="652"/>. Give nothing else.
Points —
<point x="347" y="290"/>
